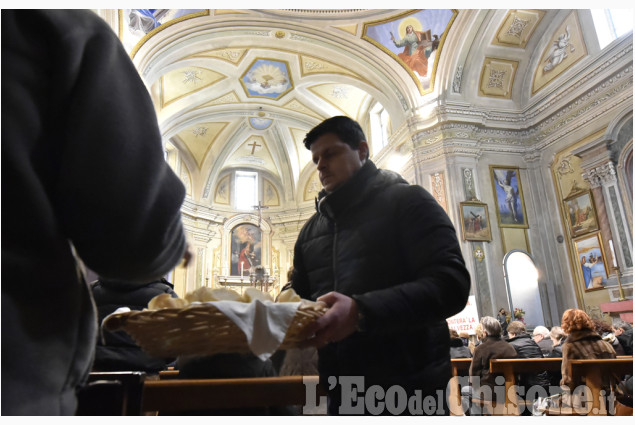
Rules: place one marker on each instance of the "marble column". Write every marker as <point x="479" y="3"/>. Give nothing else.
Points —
<point x="612" y="220"/>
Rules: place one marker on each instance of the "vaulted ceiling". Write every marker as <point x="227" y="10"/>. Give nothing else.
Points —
<point x="239" y="89"/>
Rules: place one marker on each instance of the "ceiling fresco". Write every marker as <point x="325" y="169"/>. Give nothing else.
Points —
<point x="239" y="89"/>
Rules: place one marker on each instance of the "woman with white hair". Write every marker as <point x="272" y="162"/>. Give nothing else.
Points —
<point x="541" y="337"/>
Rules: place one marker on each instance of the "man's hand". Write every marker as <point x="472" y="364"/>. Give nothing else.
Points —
<point x="338" y="322"/>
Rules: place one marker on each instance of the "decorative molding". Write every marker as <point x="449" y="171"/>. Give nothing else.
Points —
<point x="437" y="184"/>
<point x="601" y="175"/>
<point x="468" y="184"/>
<point x="565" y="166"/>
<point x="456" y="84"/>
<point x="595" y="102"/>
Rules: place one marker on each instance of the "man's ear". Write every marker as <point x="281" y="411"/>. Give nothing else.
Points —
<point x="363" y="150"/>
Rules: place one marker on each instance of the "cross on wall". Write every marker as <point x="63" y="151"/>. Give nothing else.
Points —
<point x="254" y="145"/>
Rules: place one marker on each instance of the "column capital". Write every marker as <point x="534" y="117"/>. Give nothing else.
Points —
<point x="600" y="175"/>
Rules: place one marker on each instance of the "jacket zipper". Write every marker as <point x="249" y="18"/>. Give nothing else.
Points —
<point x="334" y="256"/>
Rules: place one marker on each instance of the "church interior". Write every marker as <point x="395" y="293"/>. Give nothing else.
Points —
<point x="519" y="122"/>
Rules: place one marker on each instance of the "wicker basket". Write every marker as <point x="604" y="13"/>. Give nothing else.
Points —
<point x="201" y="329"/>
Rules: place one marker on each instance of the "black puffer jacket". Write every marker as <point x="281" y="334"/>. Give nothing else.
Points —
<point x="458" y="350"/>
<point x="526" y="348"/>
<point x="117" y="350"/>
<point x="392" y="248"/>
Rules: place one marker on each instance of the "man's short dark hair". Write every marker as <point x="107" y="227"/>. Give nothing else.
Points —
<point x="348" y="130"/>
<point x="516" y="327"/>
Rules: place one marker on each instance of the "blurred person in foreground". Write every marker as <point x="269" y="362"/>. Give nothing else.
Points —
<point x="84" y="174"/>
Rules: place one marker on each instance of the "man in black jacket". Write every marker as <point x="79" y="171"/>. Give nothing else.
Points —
<point x="383" y="255"/>
<point x="526" y="348"/>
<point x="624" y="334"/>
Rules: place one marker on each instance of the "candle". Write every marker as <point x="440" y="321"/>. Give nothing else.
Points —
<point x="613" y="253"/>
<point x="241" y="268"/>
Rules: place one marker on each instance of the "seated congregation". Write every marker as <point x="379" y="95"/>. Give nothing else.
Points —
<point x="513" y="372"/>
<point x="502" y="370"/>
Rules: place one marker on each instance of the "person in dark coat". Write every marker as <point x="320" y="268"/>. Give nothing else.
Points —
<point x="117" y="351"/>
<point x="384" y="257"/>
<point x="526" y="348"/>
<point x="607" y="333"/>
<point x="482" y="382"/>
<point x="557" y="336"/>
<point x="624" y="334"/>
<point x="540" y="336"/>
<point x="457" y="348"/>
<point x="582" y="343"/>
<point x="84" y="173"/>
<point x="502" y="319"/>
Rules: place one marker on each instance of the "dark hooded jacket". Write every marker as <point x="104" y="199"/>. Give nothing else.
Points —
<point x="84" y="173"/>
<point x="391" y="247"/>
<point x="458" y="350"/>
<point x="117" y="350"/>
<point x="526" y="348"/>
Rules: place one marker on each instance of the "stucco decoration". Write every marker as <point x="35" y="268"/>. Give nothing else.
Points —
<point x="313" y="187"/>
<point x="199" y="138"/>
<point x="270" y="194"/>
<point x="497" y="78"/>
<point x="182" y="82"/>
<point x="225" y="99"/>
<point x="233" y="56"/>
<point x="253" y="153"/>
<point x="311" y="65"/>
<point x="437" y="183"/>
<point x="184" y="174"/>
<point x="518" y="27"/>
<point x="222" y="191"/>
<point x="297" y="106"/>
<point x="346" y="98"/>
<point x="565" y="49"/>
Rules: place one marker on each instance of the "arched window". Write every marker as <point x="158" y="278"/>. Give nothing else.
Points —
<point x="378" y="127"/>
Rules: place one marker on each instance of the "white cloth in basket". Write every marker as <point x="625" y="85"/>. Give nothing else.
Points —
<point x="265" y="323"/>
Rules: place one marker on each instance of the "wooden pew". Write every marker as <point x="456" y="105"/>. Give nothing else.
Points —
<point x="460" y="367"/>
<point x="168" y="374"/>
<point x="593" y="370"/>
<point x="111" y="394"/>
<point x="181" y="395"/>
<point x="509" y="368"/>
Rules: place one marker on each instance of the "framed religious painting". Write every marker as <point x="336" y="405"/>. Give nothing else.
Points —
<point x="245" y="248"/>
<point x="508" y="192"/>
<point x="475" y="222"/>
<point x="591" y="262"/>
<point x="580" y="213"/>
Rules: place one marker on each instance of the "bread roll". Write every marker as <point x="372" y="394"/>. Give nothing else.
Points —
<point x="252" y="294"/>
<point x="224" y="294"/>
<point x="166" y="301"/>
<point x="202" y="294"/>
<point x="288" y="296"/>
